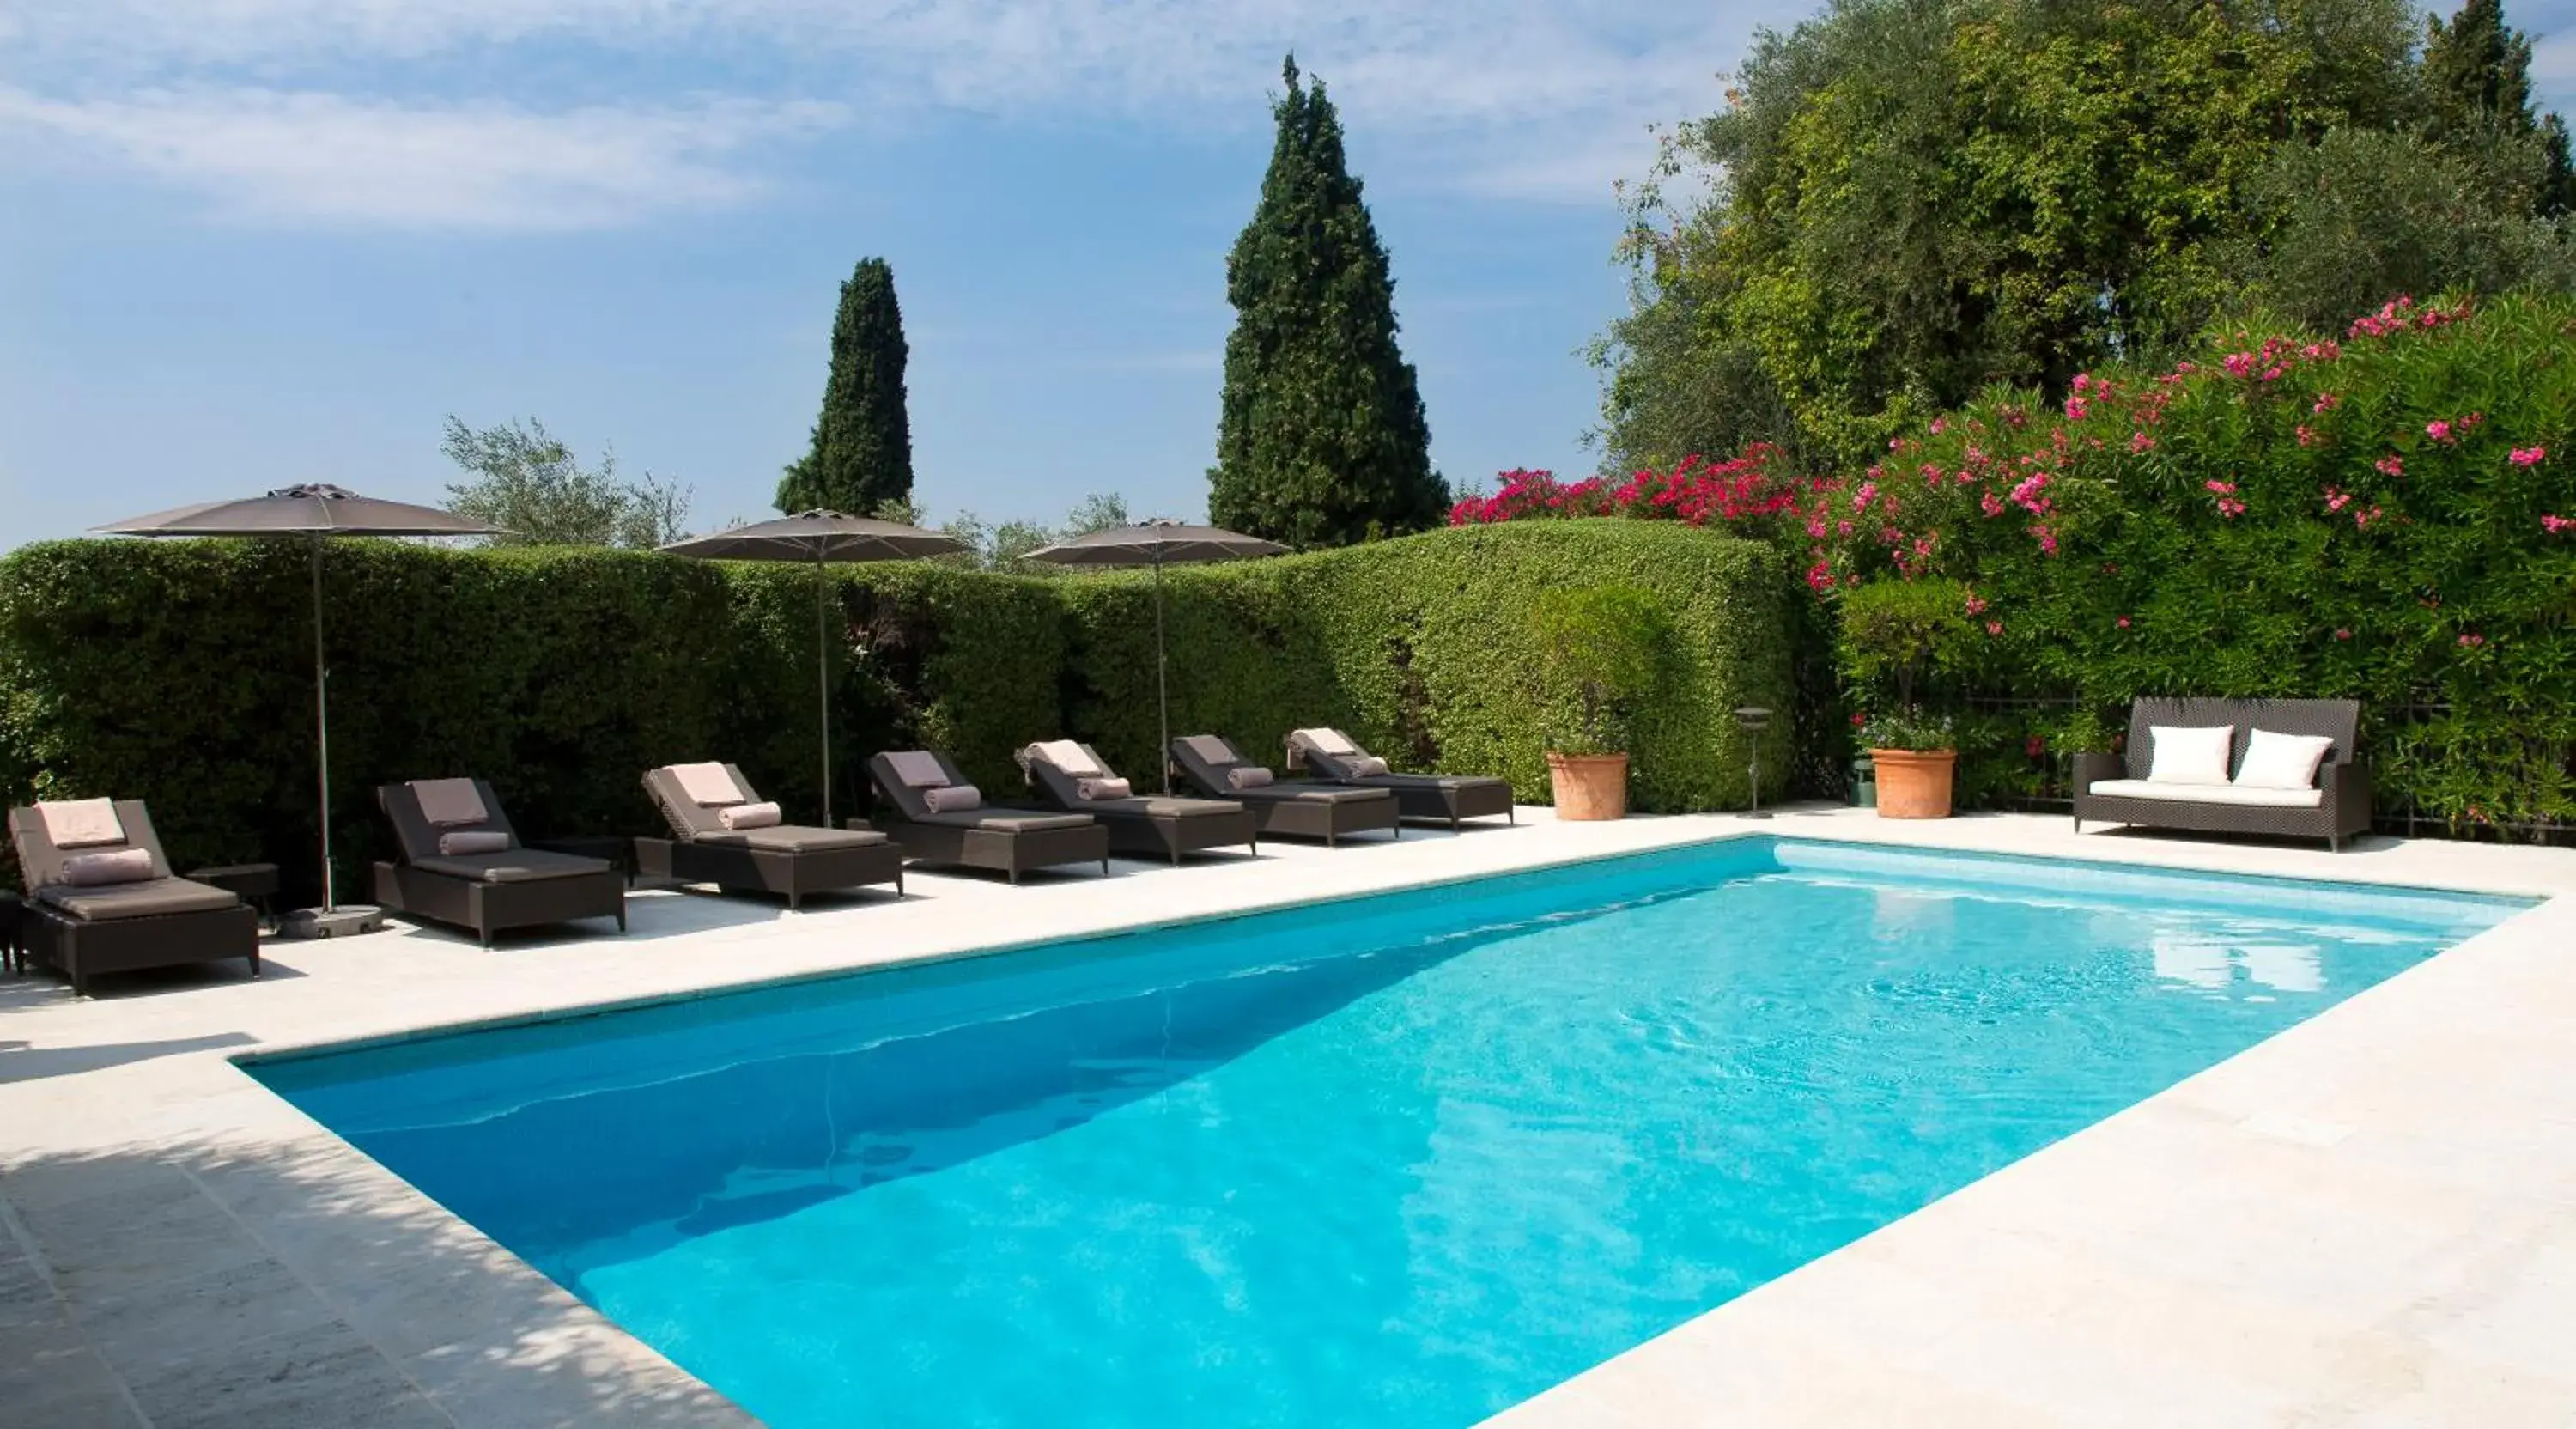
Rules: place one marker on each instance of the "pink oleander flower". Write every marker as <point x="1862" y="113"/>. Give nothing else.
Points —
<point x="2361" y="519"/>
<point x="1990" y="504"/>
<point x="1821" y="577"/>
<point x="2075" y="409"/>
<point x="2223" y="488"/>
<point x="2472" y="640"/>
<point x="2343" y="634"/>
<point x="2438" y="431"/>
<point x="2230" y="508"/>
<point x="2083" y="381"/>
<point x="2558" y="525"/>
<point x="1868" y="492"/>
<point x="2336" y="500"/>
<point x="2390" y="465"/>
<point x="2527" y="456"/>
<point x="1994" y="627"/>
<point x="1940" y="424"/>
<point x="2238" y="364"/>
<point x="2140" y="442"/>
<point x="2326" y="402"/>
<point x="2047" y="539"/>
<point x="2123" y="622"/>
<point x="1975" y="605"/>
<point x="2306" y="438"/>
<point x="1842" y="528"/>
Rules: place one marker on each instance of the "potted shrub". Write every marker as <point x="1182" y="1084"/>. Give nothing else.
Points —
<point x="1899" y="633"/>
<point x="1600" y="658"/>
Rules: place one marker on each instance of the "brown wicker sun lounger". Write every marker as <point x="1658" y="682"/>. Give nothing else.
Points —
<point x="1007" y="840"/>
<point x="1164" y="827"/>
<point x="101" y="898"/>
<point x="1444" y="798"/>
<point x="771" y="857"/>
<point x="1298" y="807"/>
<point x="462" y="864"/>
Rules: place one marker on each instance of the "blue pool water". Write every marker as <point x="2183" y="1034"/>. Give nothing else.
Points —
<point x="1399" y="1161"/>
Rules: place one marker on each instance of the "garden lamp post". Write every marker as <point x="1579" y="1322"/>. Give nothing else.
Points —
<point x="1753" y="719"/>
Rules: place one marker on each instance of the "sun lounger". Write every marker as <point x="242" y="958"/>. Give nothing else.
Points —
<point x="1298" y="807"/>
<point x="101" y="898"/>
<point x="970" y="833"/>
<point x="1446" y="798"/>
<point x="462" y="864"/>
<point x="722" y="833"/>
<point x="1061" y="771"/>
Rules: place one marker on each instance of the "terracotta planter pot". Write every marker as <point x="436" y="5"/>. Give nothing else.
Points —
<point x="1589" y="786"/>
<point x="1914" y="784"/>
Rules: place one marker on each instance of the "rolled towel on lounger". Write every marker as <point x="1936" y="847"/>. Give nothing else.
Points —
<point x="1247" y="777"/>
<point x="93" y="870"/>
<point x="750" y="816"/>
<point x="952" y="799"/>
<point x="1104" y="789"/>
<point x="1367" y="768"/>
<point x="473" y="841"/>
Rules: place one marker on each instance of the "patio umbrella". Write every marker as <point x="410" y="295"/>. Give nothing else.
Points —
<point x="312" y="513"/>
<point x="1157" y="544"/>
<point x="822" y="537"/>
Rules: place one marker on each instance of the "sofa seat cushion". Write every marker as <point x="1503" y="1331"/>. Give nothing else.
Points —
<point x="1006" y="821"/>
<point x="519" y="865"/>
<point x="2240" y="795"/>
<point x="152" y="899"/>
<point x="791" y="838"/>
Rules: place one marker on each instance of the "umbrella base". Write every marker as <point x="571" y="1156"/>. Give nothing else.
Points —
<point x="347" y="919"/>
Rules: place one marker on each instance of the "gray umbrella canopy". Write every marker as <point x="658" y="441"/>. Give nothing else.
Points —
<point x="1157" y="544"/>
<point x="313" y="512"/>
<point x="822" y="538"/>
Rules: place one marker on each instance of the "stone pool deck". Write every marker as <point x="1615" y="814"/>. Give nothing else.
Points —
<point x="2370" y="1219"/>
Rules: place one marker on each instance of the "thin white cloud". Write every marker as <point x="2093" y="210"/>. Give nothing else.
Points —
<point x="269" y="155"/>
<point x="1530" y="99"/>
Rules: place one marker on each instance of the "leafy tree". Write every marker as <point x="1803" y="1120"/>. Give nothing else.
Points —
<point x="1322" y="439"/>
<point x="2477" y="81"/>
<point x="529" y="484"/>
<point x="1005" y="546"/>
<point x="1907" y="200"/>
<point x="862" y="453"/>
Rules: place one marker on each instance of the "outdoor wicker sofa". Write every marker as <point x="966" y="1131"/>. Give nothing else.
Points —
<point x="1442" y="798"/>
<point x="101" y="898"/>
<point x="2116" y="788"/>
<point x="970" y="833"/>
<point x="1299" y="808"/>
<point x="462" y="864"/>
<point x="704" y="803"/>
<point x="1070" y="774"/>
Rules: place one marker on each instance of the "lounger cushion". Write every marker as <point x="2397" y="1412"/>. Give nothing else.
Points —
<point x="709" y="786"/>
<point x="1167" y="808"/>
<point x="80" y="823"/>
<point x="952" y="798"/>
<point x="449" y="803"/>
<point x="1247" y="777"/>
<point x="750" y="816"/>
<point x="1330" y="741"/>
<point x="792" y="838"/>
<point x="2239" y="795"/>
<point x="1006" y="822"/>
<point x="109" y="866"/>
<point x="1068" y="755"/>
<point x="157" y="898"/>
<point x="1211" y="749"/>
<point x="917" y="768"/>
<point x="472" y="841"/>
<point x="1095" y="790"/>
<point x="519" y="865"/>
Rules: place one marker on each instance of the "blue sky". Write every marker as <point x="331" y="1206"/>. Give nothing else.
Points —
<point x="261" y="241"/>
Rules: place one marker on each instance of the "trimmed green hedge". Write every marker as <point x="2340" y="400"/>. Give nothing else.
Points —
<point x="1421" y="648"/>
<point x="181" y="672"/>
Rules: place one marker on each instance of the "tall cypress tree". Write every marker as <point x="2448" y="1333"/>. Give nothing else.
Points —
<point x="1322" y="439"/>
<point x="862" y="454"/>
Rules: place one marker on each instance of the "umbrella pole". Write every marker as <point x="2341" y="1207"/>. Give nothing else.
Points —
<point x="1162" y="695"/>
<point x="322" y="730"/>
<point x="823" y="683"/>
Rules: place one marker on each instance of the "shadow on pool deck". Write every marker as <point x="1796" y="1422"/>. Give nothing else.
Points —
<point x="292" y="1283"/>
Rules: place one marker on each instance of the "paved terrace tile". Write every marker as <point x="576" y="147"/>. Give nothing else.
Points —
<point x="2370" y="1219"/>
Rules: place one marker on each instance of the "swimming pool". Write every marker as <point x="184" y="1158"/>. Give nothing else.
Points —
<point x="1402" y="1160"/>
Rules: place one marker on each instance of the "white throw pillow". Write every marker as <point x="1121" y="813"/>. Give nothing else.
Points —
<point x="2282" y="761"/>
<point x="2189" y="756"/>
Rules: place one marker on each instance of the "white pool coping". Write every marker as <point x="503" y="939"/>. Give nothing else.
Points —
<point x="2370" y="1218"/>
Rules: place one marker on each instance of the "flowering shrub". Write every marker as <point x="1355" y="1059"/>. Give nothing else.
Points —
<point x="2374" y="516"/>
